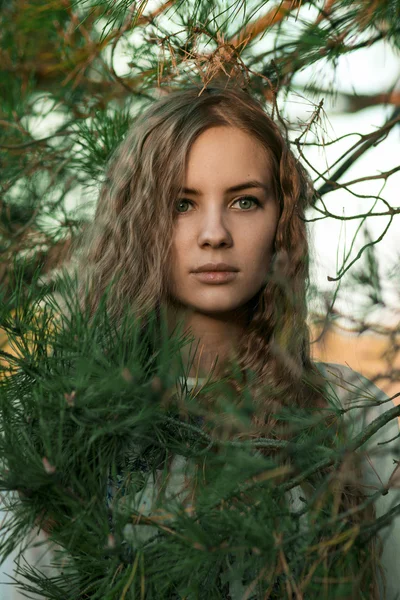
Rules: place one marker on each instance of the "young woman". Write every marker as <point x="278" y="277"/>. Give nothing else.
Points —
<point x="202" y="214"/>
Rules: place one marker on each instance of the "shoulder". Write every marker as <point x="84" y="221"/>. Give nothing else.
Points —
<point x="349" y="385"/>
<point x="368" y="406"/>
<point x="368" y="409"/>
<point x="361" y="399"/>
<point x="365" y="406"/>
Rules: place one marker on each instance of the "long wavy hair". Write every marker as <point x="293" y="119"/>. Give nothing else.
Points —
<point x="131" y="231"/>
<point x="131" y="235"/>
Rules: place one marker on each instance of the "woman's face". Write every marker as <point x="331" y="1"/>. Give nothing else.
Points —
<point x="216" y="223"/>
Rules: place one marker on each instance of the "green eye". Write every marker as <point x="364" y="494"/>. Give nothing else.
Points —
<point x="184" y="201"/>
<point x="248" y="199"/>
<point x="179" y="203"/>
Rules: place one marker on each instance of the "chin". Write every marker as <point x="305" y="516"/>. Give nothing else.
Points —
<point x="215" y="309"/>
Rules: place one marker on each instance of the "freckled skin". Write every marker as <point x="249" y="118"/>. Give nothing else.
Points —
<point x="215" y="226"/>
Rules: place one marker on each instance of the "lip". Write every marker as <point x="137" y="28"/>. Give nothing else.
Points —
<point x="212" y="267"/>
<point x="215" y="277"/>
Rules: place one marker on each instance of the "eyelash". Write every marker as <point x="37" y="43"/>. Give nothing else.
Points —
<point x="255" y="200"/>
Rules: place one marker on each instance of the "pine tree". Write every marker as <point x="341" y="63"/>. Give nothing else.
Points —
<point x="75" y="74"/>
<point x="87" y="409"/>
<point x="91" y="411"/>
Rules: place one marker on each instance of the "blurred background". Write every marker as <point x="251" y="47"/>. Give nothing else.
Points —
<point x="74" y="74"/>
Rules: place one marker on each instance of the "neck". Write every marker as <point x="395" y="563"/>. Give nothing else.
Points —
<point x="216" y="336"/>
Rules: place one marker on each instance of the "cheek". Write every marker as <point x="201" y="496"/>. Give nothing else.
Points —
<point x="259" y="245"/>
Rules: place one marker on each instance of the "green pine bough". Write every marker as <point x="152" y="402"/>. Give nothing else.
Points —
<point x="143" y="491"/>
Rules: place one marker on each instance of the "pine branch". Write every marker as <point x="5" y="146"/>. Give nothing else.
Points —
<point x="373" y="139"/>
<point x="274" y="16"/>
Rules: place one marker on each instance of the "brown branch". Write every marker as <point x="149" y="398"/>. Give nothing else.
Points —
<point x="141" y="20"/>
<point x="363" y="101"/>
<point x="274" y="16"/>
<point x="325" y="12"/>
<point x="383" y="175"/>
<point x="373" y="140"/>
<point x="34" y="142"/>
<point x="356" y="102"/>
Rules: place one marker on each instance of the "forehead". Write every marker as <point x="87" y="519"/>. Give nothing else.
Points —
<point x="223" y="154"/>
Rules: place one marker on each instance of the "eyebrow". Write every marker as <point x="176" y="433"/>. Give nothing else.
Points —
<point x="236" y="188"/>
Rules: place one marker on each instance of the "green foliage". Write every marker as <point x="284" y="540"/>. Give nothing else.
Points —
<point x="74" y="75"/>
<point x="91" y="411"/>
<point x="99" y="138"/>
<point x="84" y="411"/>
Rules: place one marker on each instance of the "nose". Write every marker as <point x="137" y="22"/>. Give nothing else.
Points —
<point x="214" y="230"/>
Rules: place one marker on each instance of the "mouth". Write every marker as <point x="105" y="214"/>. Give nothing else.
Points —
<point x="215" y="277"/>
